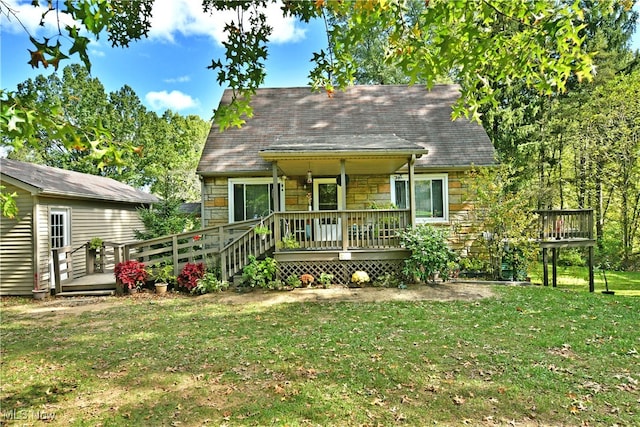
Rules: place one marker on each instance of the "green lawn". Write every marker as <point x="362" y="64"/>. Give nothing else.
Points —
<point x="530" y="356"/>
<point x="577" y="278"/>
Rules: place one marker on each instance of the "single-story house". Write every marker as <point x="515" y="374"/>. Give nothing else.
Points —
<point x="59" y="208"/>
<point x="325" y="164"/>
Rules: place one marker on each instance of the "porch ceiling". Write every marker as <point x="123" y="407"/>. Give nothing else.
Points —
<point x="363" y="154"/>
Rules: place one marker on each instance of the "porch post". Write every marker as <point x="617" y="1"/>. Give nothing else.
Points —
<point x="343" y="203"/>
<point x="412" y="193"/>
<point x="343" y="180"/>
<point x="275" y="195"/>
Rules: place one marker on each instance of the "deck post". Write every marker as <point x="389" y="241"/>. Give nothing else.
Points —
<point x="174" y="246"/>
<point x="591" y="278"/>
<point x="275" y="195"/>
<point x="554" y="266"/>
<point x="545" y="267"/>
<point x="412" y="195"/>
<point x="56" y="271"/>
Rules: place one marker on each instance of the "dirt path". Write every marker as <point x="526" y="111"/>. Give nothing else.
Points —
<point x="431" y="292"/>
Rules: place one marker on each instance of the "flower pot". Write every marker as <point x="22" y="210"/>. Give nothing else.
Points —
<point x="132" y="291"/>
<point x="40" y="294"/>
<point x="161" y="288"/>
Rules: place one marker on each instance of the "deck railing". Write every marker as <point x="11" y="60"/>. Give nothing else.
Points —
<point x="193" y="246"/>
<point x="230" y="245"/>
<point x="342" y="230"/>
<point x="573" y="224"/>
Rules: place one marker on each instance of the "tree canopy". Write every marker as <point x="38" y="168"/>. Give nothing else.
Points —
<point x="477" y="42"/>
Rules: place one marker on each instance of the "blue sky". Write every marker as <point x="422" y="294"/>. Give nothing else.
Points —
<point x="169" y="69"/>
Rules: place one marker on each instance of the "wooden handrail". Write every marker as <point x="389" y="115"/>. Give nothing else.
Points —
<point x="565" y="224"/>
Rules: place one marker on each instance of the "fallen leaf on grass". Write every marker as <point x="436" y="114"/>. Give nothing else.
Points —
<point x="459" y="400"/>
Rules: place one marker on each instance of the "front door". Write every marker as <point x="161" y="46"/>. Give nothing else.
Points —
<point x="327" y="196"/>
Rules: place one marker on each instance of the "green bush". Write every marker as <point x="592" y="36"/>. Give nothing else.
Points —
<point x="260" y="274"/>
<point x="294" y="281"/>
<point x="571" y="257"/>
<point x="430" y="254"/>
<point x="208" y="284"/>
<point x="387" y="280"/>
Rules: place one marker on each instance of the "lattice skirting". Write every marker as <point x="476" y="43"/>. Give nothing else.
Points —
<point x="341" y="270"/>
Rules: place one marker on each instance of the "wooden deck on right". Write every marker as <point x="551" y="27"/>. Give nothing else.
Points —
<point x="564" y="228"/>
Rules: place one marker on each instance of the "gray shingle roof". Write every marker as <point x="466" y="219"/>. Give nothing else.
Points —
<point x="411" y="113"/>
<point x="52" y="181"/>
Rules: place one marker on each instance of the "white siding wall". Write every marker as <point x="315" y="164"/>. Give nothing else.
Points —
<point x="16" y="247"/>
<point x="112" y="222"/>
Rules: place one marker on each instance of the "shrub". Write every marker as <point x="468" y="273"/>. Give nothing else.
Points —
<point x="387" y="280"/>
<point x="132" y="274"/>
<point x="209" y="283"/>
<point x="326" y="279"/>
<point x="571" y="257"/>
<point x="293" y="281"/>
<point x="430" y="254"/>
<point x="190" y="274"/>
<point x="260" y="274"/>
<point x="360" y="278"/>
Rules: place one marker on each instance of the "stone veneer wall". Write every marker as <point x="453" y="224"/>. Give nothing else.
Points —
<point x="362" y="192"/>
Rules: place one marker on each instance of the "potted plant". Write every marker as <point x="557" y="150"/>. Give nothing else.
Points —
<point x="94" y="255"/>
<point x="162" y="275"/>
<point x="288" y="242"/>
<point x="39" y="293"/>
<point x="131" y="275"/>
<point x="262" y="230"/>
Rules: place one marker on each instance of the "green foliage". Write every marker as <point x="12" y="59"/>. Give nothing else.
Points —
<point x="208" y="284"/>
<point x="261" y="230"/>
<point x="164" y="218"/>
<point x="326" y="279"/>
<point x="430" y="254"/>
<point x="503" y="216"/>
<point x="260" y="274"/>
<point x="8" y="205"/>
<point x="293" y="281"/>
<point x="288" y="242"/>
<point x="142" y="149"/>
<point x="538" y="42"/>
<point x="162" y="273"/>
<point x="95" y="243"/>
<point x="571" y="257"/>
<point x="387" y="280"/>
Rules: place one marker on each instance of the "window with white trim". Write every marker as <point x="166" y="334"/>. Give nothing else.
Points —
<point x="432" y="198"/>
<point x="250" y="198"/>
<point x="60" y="232"/>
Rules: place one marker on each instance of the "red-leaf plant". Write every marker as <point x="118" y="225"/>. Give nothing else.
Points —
<point x="190" y="275"/>
<point x="131" y="273"/>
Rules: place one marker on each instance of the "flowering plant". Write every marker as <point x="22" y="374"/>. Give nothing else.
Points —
<point x="190" y="274"/>
<point x="360" y="278"/>
<point x="131" y="273"/>
<point x="307" y="279"/>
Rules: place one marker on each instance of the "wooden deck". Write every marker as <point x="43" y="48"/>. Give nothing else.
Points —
<point x="564" y="228"/>
<point x="91" y="284"/>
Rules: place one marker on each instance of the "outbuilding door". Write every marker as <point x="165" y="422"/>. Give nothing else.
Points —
<point x="59" y="235"/>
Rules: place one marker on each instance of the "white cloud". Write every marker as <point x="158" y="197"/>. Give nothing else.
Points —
<point x="186" y="17"/>
<point x="16" y="16"/>
<point x="174" y="100"/>
<point x="181" y="79"/>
